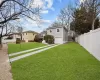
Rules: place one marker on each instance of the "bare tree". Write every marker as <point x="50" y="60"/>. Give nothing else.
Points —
<point x="20" y="30"/>
<point x="56" y="24"/>
<point x="65" y="16"/>
<point x="11" y="10"/>
<point x="92" y="6"/>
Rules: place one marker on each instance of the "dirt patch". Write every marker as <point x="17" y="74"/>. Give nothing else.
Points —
<point x="5" y="68"/>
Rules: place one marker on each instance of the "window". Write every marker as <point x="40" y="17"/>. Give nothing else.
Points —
<point x="26" y="33"/>
<point x="33" y="34"/>
<point x="57" y="30"/>
<point x="50" y="31"/>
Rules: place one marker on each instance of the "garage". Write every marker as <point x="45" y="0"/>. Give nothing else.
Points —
<point x="58" y="40"/>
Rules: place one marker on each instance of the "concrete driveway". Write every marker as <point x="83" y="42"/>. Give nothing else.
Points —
<point x="5" y="68"/>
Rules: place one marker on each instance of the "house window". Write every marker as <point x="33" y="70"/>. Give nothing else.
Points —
<point x="26" y="33"/>
<point x="50" y="31"/>
<point x="57" y="30"/>
<point x="33" y="34"/>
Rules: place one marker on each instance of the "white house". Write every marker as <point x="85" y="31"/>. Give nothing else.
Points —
<point x="13" y="36"/>
<point x="60" y="34"/>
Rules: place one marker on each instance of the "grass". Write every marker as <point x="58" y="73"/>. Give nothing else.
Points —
<point x="24" y="53"/>
<point x="65" y="62"/>
<point x="12" y="48"/>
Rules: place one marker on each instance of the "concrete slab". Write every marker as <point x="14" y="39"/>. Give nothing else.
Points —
<point x="29" y="54"/>
<point x="5" y="68"/>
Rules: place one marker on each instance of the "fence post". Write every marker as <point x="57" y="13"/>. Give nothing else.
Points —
<point x="90" y="42"/>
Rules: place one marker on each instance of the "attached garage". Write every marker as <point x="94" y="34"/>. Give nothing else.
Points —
<point x="58" y="41"/>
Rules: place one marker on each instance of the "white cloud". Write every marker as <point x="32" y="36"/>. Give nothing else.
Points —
<point x="44" y="4"/>
<point x="36" y="3"/>
<point x="82" y="1"/>
<point x="28" y="22"/>
<point x="44" y="11"/>
<point x="32" y="25"/>
<point x="49" y="3"/>
<point x="53" y="9"/>
<point x="45" y="21"/>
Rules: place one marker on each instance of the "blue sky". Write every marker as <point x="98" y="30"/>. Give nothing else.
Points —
<point x="51" y="9"/>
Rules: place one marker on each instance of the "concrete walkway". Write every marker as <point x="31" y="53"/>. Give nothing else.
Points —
<point x="13" y="54"/>
<point x="29" y="54"/>
<point x="5" y="68"/>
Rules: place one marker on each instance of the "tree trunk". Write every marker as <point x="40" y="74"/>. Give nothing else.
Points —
<point x="93" y="23"/>
<point x="0" y="42"/>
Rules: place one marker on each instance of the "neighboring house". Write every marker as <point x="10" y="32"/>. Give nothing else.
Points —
<point x="60" y="34"/>
<point x="11" y="38"/>
<point x="71" y="33"/>
<point x="42" y="34"/>
<point x="29" y="35"/>
<point x="26" y="36"/>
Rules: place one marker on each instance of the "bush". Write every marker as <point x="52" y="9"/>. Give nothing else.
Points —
<point x="22" y="40"/>
<point x="49" y="39"/>
<point x="30" y="40"/>
<point x="18" y="40"/>
<point x="38" y="39"/>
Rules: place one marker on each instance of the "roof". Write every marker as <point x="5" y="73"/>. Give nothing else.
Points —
<point x="13" y="34"/>
<point x="30" y="32"/>
<point x="16" y="33"/>
<point x="44" y="32"/>
<point x="57" y="27"/>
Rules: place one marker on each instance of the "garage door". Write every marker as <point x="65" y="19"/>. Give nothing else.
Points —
<point x="58" y="41"/>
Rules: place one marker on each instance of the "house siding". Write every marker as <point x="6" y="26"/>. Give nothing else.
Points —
<point x="55" y="33"/>
<point x="60" y="37"/>
<point x="28" y="36"/>
<point x="65" y="36"/>
<point x="4" y="40"/>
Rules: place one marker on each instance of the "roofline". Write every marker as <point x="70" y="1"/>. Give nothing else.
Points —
<point x="53" y="27"/>
<point x="30" y="32"/>
<point x="57" y="27"/>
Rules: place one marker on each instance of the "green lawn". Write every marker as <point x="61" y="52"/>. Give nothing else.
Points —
<point x="65" y="62"/>
<point x="24" y="46"/>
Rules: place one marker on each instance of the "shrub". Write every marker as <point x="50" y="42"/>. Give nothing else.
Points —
<point x="38" y="39"/>
<point x="18" y="40"/>
<point x="30" y="40"/>
<point x="22" y="40"/>
<point x="49" y="39"/>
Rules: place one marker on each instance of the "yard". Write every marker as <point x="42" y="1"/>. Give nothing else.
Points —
<point x="65" y="62"/>
<point x="12" y="48"/>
